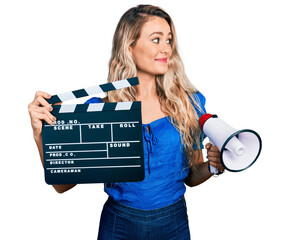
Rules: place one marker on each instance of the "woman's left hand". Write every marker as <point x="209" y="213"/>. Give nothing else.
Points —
<point x="213" y="156"/>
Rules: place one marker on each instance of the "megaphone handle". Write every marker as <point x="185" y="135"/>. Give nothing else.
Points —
<point x="212" y="169"/>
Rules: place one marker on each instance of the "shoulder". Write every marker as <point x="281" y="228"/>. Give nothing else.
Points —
<point x="199" y="102"/>
<point x="96" y="100"/>
<point x="199" y="98"/>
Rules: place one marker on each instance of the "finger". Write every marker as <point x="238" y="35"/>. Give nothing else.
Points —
<point x="37" y="116"/>
<point x="42" y="94"/>
<point x="41" y="101"/>
<point x="48" y="120"/>
<point x="213" y="154"/>
<point x="219" y="166"/>
<point x="213" y="148"/>
<point x="214" y="159"/>
<point x="44" y="110"/>
<point x="208" y="146"/>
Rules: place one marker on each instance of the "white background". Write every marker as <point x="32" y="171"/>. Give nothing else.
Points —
<point x="235" y="52"/>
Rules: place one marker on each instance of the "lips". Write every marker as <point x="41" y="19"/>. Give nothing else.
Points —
<point x="162" y="60"/>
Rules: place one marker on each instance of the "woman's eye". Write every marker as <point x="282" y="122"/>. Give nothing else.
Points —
<point x="156" y="40"/>
<point x="169" y="41"/>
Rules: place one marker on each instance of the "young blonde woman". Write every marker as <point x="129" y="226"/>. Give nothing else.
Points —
<point x="145" y="45"/>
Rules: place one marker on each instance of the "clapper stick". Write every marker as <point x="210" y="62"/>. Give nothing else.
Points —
<point x="93" y="143"/>
<point x="93" y="90"/>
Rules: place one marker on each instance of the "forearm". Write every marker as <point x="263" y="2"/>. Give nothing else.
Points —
<point x="58" y="188"/>
<point x="198" y="175"/>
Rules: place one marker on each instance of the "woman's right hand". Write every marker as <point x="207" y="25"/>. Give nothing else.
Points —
<point x="39" y="109"/>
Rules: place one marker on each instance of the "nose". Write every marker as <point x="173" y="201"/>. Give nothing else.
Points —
<point x="165" y="48"/>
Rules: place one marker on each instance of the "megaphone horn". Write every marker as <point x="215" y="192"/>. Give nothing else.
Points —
<point x="239" y="148"/>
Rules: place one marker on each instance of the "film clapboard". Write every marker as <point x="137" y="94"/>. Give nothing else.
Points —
<point x="94" y="143"/>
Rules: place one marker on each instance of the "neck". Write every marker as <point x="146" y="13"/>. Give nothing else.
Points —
<point x="147" y="87"/>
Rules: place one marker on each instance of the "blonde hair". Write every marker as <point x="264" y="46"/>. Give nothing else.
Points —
<point x="174" y="89"/>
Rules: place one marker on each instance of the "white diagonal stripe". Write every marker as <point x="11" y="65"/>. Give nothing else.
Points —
<point x="67" y="108"/>
<point x="121" y="84"/>
<point x="123" y="106"/>
<point x="93" y="90"/>
<point x="66" y="96"/>
<point x="95" y="107"/>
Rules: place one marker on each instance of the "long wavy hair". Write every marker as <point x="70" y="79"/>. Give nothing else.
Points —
<point x="174" y="89"/>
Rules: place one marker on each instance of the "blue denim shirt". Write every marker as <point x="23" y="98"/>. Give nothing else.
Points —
<point x="166" y="166"/>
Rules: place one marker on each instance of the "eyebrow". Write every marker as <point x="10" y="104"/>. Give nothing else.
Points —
<point x="160" y="33"/>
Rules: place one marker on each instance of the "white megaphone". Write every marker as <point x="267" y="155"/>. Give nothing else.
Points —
<point x="239" y="149"/>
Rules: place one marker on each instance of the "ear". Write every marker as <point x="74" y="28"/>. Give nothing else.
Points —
<point x="130" y="49"/>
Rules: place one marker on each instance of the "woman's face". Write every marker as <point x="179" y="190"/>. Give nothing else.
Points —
<point x="152" y="50"/>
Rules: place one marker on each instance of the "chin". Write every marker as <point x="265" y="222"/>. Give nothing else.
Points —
<point x="154" y="71"/>
<point x="161" y="71"/>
